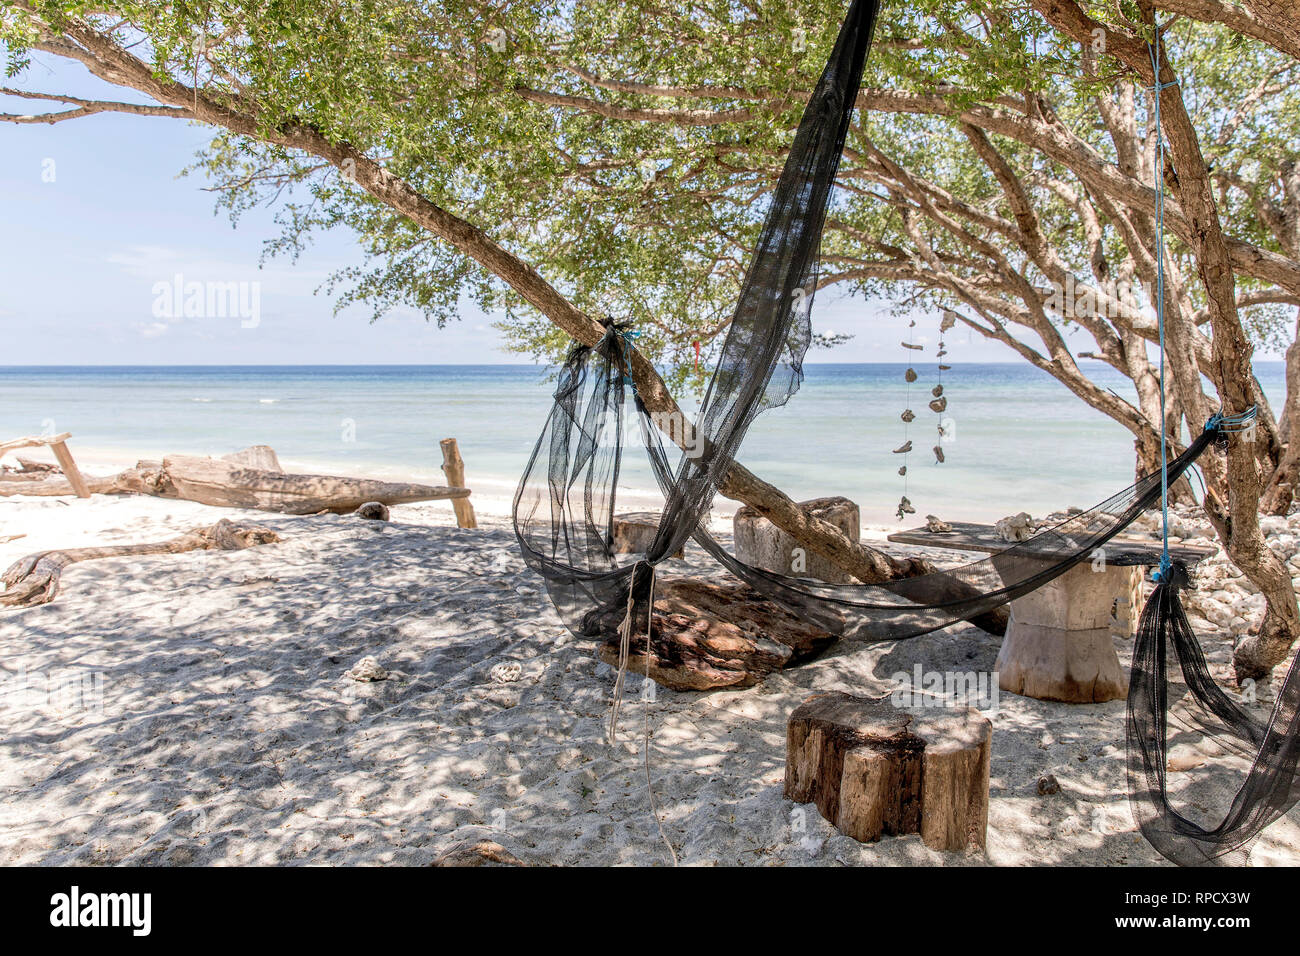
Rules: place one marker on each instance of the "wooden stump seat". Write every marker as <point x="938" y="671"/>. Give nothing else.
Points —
<point x="873" y="768"/>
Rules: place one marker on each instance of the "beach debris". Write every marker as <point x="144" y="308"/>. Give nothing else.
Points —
<point x="910" y="375"/>
<point x="908" y="415"/>
<point x="262" y="457"/>
<point x="214" y="481"/>
<point x="939" y="405"/>
<point x="1048" y="785"/>
<point x="948" y="321"/>
<point x="1017" y="527"/>
<point x="507" y="672"/>
<point x="904" y="448"/>
<point x="252" y="478"/>
<point x="482" y="853"/>
<point x="34" y="579"/>
<point x="58" y="444"/>
<point x="373" y="511"/>
<point x="938" y="455"/>
<point x="705" y="635"/>
<point x="937" y="391"/>
<point x="915" y="348"/>
<point x="936" y="525"/>
<point x="905" y="507"/>
<point x="367" y="670"/>
<point x="872" y="767"/>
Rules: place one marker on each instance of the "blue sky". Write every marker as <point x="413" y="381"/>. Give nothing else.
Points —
<point x="97" y="228"/>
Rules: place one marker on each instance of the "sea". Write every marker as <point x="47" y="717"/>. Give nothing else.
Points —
<point x="1014" y="439"/>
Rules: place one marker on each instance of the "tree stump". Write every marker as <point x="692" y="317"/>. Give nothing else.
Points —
<point x="1058" y="645"/>
<point x="873" y="768"/>
<point x="704" y="636"/>
<point x="762" y="544"/>
<point x="635" y="531"/>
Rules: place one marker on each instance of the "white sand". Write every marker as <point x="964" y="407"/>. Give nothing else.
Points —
<point x="228" y="731"/>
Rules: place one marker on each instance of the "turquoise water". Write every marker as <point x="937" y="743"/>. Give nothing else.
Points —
<point x="1021" y="442"/>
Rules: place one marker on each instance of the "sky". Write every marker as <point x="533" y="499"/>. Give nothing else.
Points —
<point x="103" y="247"/>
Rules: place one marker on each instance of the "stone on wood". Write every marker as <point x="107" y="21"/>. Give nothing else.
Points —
<point x="762" y="544"/>
<point x="873" y="768"/>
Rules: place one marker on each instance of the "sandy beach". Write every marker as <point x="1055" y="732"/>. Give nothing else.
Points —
<point x="198" y="709"/>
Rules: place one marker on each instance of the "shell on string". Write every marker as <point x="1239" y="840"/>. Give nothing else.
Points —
<point x="910" y="375"/>
<point x="939" y="405"/>
<point x="948" y="321"/>
<point x="938" y="454"/>
<point x="914" y="348"/>
<point x="902" y="471"/>
<point x="944" y="368"/>
<point x="904" y="448"/>
<point x="908" y="415"/>
<point x="937" y="391"/>
<point x="905" y="507"/>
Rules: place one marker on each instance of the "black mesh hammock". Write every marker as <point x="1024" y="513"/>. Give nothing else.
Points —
<point x="565" y="505"/>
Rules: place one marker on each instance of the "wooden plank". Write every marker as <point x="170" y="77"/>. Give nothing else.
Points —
<point x="454" y="468"/>
<point x="70" y="469"/>
<point x="967" y="536"/>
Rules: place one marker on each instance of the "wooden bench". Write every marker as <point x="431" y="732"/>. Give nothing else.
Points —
<point x="1058" y="643"/>
<point x="59" y="445"/>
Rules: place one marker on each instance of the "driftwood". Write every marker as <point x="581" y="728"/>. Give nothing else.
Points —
<point x="707" y="635"/>
<point x="212" y="481"/>
<point x="59" y="445"/>
<point x="34" y="579"/>
<point x="453" y="466"/>
<point x="874" y="769"/>
<point x="251" y="478"/>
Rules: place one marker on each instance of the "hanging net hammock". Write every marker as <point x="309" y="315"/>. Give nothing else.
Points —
<point x="565" y="506"/>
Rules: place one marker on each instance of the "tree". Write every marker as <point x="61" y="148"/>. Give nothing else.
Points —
<point x="1004" y="155"/>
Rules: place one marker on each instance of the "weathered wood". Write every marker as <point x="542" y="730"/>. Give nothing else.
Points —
<point x="32" y="441"/>
<point x="212" y="481"/>
<point x="874" y="769"/>
<point x="34" y="579"/>
<point x="1058" y="641"/>
<point x="262" y="457"/>
<point x="59" y="445"/>
<point x="454" y="468"/>
<point x="761" y="543"/>
<point x="635" y="531"/>
<point x="706" y="635"/>
<point x="70" y="469"/>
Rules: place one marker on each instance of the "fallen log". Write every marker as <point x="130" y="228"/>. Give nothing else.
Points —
<point x="213" y="481"/>
<point x="704" y="636"/>
<point x="34" y="579"/>
<point x="145" y="478"/>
